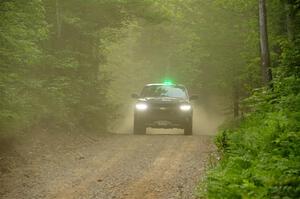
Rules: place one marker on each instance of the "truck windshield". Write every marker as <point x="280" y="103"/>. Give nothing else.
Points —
<point x="164" y="91"/>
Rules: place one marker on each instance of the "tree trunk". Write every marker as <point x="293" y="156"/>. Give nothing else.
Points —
<point x="290" y="20"/>
<point x="236" y="101"/>
<point x="264" y="44"/>
<point x="58" y="19"/>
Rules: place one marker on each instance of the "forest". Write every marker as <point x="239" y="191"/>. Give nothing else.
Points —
<point x="70" y="66"/>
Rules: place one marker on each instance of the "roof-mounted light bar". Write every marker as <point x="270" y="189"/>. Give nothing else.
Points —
<point x="168" y="82"/>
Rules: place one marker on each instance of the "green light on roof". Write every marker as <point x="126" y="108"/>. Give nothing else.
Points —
<point x="168" y="82"/>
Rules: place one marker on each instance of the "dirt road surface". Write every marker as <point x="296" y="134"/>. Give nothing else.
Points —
<point x="102" y="166"/>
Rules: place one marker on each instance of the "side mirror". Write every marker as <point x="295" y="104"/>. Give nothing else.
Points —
<point x="134" y="96"/>
<point x="194" y="97"/>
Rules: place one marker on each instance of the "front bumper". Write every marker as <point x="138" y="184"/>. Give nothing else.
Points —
<point x="164" y="118"/>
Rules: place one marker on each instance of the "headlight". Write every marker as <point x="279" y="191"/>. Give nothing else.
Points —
<point x="185" y="107"/>
<point x="141" y="106"/>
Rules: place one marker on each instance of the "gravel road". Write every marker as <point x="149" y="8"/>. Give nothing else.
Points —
<point x="104" y="166"/>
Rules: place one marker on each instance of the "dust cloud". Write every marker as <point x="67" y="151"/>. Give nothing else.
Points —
<point x="206" y="122"/>
<point x="124" y="124"/>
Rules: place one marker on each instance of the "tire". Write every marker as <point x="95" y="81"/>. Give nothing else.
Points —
<point x="188" y="129"/>
<point x="138" y="127"/>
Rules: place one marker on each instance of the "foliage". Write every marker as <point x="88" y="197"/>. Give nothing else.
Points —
<point x="260" y="157"/>
<point x="72" y="63"/>
<point x="52" y="63"/>
<point x="260" y="154"/>
<point x="22" y="28"/>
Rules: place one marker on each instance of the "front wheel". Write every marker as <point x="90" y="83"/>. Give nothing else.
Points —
<point x="139" y="127"/>
<point x="188" y="129"/>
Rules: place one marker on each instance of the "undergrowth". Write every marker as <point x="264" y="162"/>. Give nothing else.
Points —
<point x="260" y="158"/>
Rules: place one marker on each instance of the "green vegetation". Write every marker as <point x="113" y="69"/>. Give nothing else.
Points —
<point x="52" y="61"/>
<point x="73" y="63"/>
<point x="260" y="155"/>
<point x="260" y="151"/>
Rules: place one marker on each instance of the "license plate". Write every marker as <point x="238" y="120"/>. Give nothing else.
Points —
<point x="163" y="123"/>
